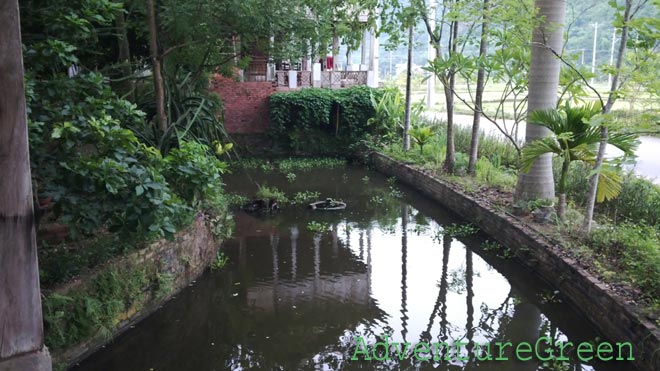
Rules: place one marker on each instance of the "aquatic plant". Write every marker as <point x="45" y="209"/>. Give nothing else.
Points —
<point x="220" y="261"/>
<point x="318" y="227"/>
<point x="305" y="197"/>
<point x="272" y="193"/>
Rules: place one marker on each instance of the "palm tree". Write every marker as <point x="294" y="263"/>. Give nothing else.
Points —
<point x="573" y="138"/>
<point x="537" y="183"/>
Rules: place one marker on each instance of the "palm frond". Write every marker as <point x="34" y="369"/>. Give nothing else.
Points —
<point x="626" y="142"/>
<point x="609" y="184"/>
<point x="535" y="149"/>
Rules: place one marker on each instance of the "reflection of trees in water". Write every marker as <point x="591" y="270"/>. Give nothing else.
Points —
<point x="404" y="271"/>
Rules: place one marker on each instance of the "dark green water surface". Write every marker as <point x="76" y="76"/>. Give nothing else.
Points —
<point x="291" y="299"/>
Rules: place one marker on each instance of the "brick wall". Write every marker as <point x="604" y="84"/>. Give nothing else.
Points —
<point x="246" y="104"/>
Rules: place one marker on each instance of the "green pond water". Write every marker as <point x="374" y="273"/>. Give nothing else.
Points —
<point x="292" y="299"/>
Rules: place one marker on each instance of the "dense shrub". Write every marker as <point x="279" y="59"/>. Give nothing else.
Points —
<point x="499" y="151"/>
<point x="322" y="120"/>
<point x="639" y="201"/>
<point x="635" y="250"/>
<point x="194" y="175"/>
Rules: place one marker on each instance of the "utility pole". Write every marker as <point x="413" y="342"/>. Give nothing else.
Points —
<point x="593" y="54"/>
<point x="430" y="83"/>
<point x="609" y="76"/>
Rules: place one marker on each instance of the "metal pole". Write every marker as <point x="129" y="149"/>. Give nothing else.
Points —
<point x="593" y="54"/>
<point x="609" y="76"/>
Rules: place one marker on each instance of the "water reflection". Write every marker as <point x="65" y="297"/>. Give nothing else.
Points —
<point x="291" y="299"/>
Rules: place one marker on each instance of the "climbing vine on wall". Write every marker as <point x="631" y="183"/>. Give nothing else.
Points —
<point x="322" y="120"/>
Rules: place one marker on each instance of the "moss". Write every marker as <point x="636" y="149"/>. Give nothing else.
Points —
<point x="96" y="308"/>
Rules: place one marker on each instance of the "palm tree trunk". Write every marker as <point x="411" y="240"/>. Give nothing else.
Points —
<point x="21" y="323"/>
<point x="159" y="89"/>
<point x="593" y="181"/>
<point x="406" y="120"/>
<point x="478" y="98"/>
<point x="543" y="82"/>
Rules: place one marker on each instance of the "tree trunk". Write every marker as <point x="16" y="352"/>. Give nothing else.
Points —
<point x="543" y="82"/>
<point x="561" y="204"/>
<point x="593" y="181"/>
<point x="481" y="76"/>
<point x="406" y="119"/>
<point x="159" y="89"/>
<point x="128" y="85"/>
<point x="21" y="323"/>
<point x="450" y="155"/>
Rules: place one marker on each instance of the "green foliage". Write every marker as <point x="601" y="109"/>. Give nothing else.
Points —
<point x="305" y="197"/>
<point x="322" y="120"/>
<point x="456" y="230"/>
<point x="494" y="176"/>
<point x="220" y="261"/>
<point x="318" y="227"/>
<point x="65" y="261"/>
<point x="307" y="163"/>
<point x="575" y="138"/>
<point x="272" y="193"/>
<point x="195" y="175"/>
<point x="639" y="202"/>
<point x="540" y="203"/>
<point x="128" y="191"/>
<point x="194" y="115"/>
<point x="72" y="318"/>
<point x="388" y="114"/>
<point x="633" y="249"/>
<point x="421" y="135"/>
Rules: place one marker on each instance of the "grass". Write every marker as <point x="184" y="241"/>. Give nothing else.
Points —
<point x="96" y="309"/>
<point x="636" y="112"/>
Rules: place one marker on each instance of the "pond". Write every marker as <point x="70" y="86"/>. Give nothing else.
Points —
<point x="393" y="263"/>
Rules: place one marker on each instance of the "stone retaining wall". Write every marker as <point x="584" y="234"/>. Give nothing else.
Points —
<point x="181" y="261"/>
<point x="610" y="314"/>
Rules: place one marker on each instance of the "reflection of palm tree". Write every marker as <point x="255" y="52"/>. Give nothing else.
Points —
<point x="446" y="246"/>
<point x="524" y="326"/>
<point x="404" y="270"/>
<point x="469" y="328"/>
<point x="274" y="242"/>
<point x="335" y="240"/>
<point x="442" y="294"/>
<point x="294" y="251"/>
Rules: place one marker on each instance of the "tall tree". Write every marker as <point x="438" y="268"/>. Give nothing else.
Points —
<point x="547" y="40"/>
<point x="449" y="82"/>
<point x="406" y="119"/>
<point x="159" y="86"/>
<point x="604" y="134"/>
<point x="21" y="323"/>
<point x="478" y="98"/>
